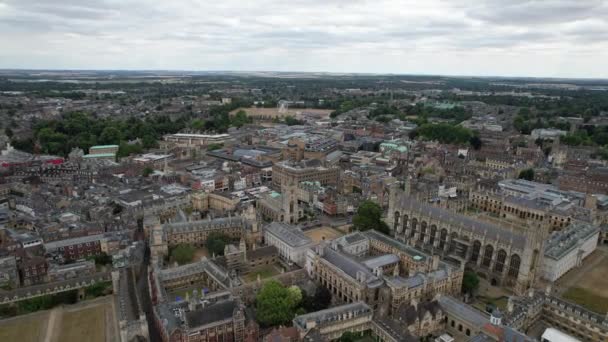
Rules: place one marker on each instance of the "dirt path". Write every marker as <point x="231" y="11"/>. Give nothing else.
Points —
<point x="54" y="321"/>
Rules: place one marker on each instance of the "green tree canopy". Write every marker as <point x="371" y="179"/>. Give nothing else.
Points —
<point x="197" y="124"/>
<point x="445" y="133"/>
<point x="470" y="282"/>
<point x="216" y="242"/>
<point x="319" y="301"/>
<point x="369" y="216"/>
<point x="527" y="174"/>
<point x="276" y="304"/>
<point x="240" y="119"/>
<point x="348" y="336"/>
<point x="182" y="254"/>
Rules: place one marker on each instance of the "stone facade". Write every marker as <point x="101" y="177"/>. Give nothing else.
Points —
<point x="502" y="255"/>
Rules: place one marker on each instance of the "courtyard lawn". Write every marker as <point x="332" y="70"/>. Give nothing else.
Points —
<point x="264" y="272"/>
<point x="588" y="299"/>
<point x="500" y="302"/>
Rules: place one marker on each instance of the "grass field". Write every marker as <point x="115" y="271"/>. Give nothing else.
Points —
<point x="500" y="302"/>
<point x="264" y="272"/>
<point x="587" y="298"/>
<point x="87" y="324"/>
<point x="588" y="285"/>
<point x="26" y="329"/>
<point x="595" y="280"/>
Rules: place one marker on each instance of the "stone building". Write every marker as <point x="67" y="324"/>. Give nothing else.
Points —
<point x="196" y="232"/>
<point x="465" y="323"/>
<point x="421" y="319"/>
<point x="203" y="274"/>
<point x="536" y="306"/>
<point x="375" y="275"/>
<point x="281" y="207"/>
<point x="221" y="320"/>
<point x="244" y="261"/>
<point x="289" y="240"/>
<point x="330" y="324"/>
<point x="502" y="255"/>
<point x="566" y="249"/>
<point x="308" y="170"/>
<point x="520" y="210"/>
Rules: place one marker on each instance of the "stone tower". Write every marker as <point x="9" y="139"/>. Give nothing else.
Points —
<point x="290" y="208"/>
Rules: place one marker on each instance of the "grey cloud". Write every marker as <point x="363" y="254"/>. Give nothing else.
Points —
<point x="233" y="34"/>
<point x="533" y="12"/>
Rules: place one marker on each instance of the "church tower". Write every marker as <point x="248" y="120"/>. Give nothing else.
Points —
<point x="290" y="208"/>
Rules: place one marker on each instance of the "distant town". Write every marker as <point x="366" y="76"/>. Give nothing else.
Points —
<point x="285" y="207"/>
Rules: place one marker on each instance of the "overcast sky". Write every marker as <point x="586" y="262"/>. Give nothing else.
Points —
<point x="560" y="38"/>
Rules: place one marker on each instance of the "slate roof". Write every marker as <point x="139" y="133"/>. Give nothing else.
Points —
<point x="289" y="234"/>
<point x="216" y="312"/>
<point x="463" y="311"/>
<point x="467" y="223"/>
<point x="350" y="267"/>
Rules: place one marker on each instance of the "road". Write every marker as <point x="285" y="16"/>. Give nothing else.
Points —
<point x="146" y="303"/>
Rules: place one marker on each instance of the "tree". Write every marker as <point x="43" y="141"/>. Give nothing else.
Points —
<point x="470" y="282"/>
<point x="319" y="301"/>
<point x="213" y="147"/>
<point x="369" y="216"/>
<point x="216" y="242"/>
<point x="276" y="304"/>
<point x="110" y="135"/>
<point x="9" y="132"/>
<point x="527" y="174"/>
<point x="240" y="119"/>
<point x="182" y="254"/>
<point x="475" y="142"/>
<point x="348" y="336"/>
<point x="147" y="171"/>
<point x="197" y="124"/>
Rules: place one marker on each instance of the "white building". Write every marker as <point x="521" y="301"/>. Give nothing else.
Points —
<point x="547" y="133"/>
<point x="289" y="241"/>
<point x="566" y="249"/>
<point x="194" y="140"/>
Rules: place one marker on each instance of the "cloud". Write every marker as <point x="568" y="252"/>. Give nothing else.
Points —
<point x="434" y="36"/>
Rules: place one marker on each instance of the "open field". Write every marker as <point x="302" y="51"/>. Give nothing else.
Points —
<point x="587" y="298"/>
<point x="323" y="233"/>
<point x="30" y="328"/>
<point x="91" y="321"/>
<point x="77" y="324"/>
<point x="264" y="272"/>
<point x="588" y="285"/>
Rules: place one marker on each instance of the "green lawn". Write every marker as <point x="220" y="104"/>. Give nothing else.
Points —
<point x="264" y="272"/>
<point x="587" y="299"/>
<point x="500" y="302"/>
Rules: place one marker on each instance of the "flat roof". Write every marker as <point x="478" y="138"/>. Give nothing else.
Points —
<point x="99" y="155"/>
<point x="102" y="146"/>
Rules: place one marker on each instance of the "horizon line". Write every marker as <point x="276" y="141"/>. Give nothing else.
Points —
<point x="335" y="73"/>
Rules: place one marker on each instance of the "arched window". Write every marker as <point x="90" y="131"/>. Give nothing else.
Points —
<point x="468" y="332"/>
<point x="476" y="251"/>
<point x="487" y="256"/>
<point x="514" y="265"/>
<point x="501" y="258"/>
